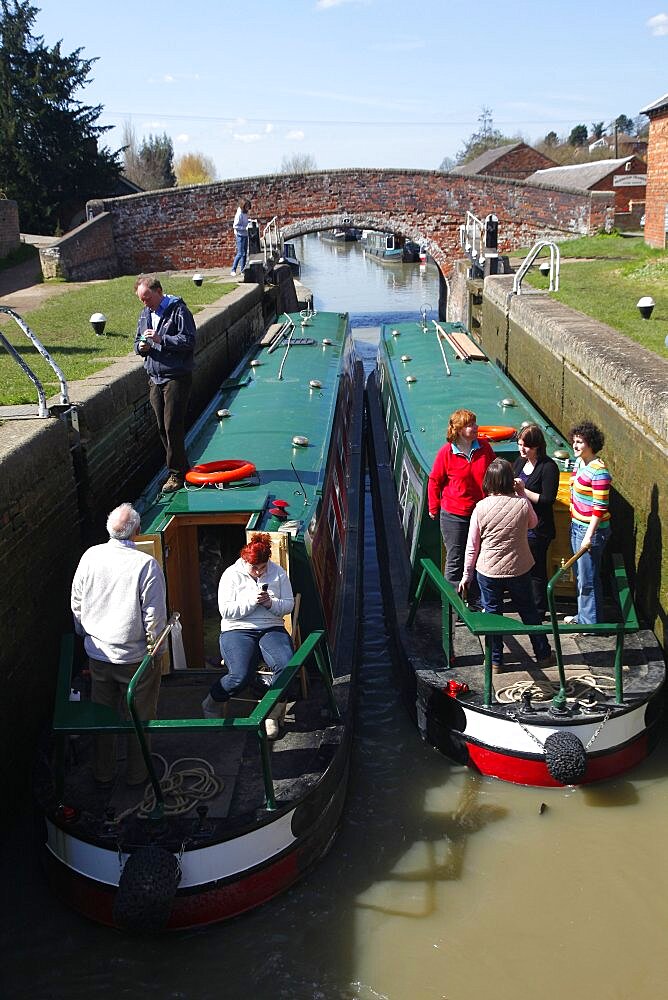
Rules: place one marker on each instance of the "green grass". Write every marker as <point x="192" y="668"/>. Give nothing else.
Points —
<point x="608" y="286"/>
<point x="22" y="253"/>
<point x="62" y="325"/>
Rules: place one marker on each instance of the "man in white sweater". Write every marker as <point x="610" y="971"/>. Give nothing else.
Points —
<point x="119" y="607"/>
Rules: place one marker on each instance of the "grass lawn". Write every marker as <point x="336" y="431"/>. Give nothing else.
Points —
<point x="607" y="286"/>
<point x="62" y="325"/>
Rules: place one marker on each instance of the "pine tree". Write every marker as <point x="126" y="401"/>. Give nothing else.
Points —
<point x="49" y="157"/>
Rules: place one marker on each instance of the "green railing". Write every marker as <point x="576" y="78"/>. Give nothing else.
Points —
<point x="72" y="717"/>
<point x="483" y="624"/>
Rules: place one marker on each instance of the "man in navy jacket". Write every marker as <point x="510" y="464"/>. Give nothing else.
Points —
<point x="165" y="339"/>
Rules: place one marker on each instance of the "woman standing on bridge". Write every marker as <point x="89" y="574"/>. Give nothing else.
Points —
<point x="240" y="226"/>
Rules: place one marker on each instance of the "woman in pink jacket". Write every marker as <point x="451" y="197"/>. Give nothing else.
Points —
<point x="498" y="550"/>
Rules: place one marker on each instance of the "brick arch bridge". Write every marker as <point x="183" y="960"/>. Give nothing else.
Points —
<point x="191" y="227"/>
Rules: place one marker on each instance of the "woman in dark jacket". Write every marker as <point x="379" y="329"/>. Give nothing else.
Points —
<point x="537" y="479"/>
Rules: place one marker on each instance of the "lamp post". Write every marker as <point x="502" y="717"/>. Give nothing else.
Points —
<point x="98" y="322"/>
<point x="645" y="306"/>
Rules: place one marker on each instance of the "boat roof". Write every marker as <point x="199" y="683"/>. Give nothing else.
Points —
<point x="265" y="414"/>
<point x="427" y="402"/>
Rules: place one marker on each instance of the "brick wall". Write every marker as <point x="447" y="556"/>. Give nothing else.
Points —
<point x="54" y="500"/>
<point x="626" y="194"/>
<point x="86" y="252"/>
<point x="575" y="368"/>
<point x="656" y="198"/>
<point x="191" y="227"/>
<point x="518" y="163"/>
<point x="10" y="237"/>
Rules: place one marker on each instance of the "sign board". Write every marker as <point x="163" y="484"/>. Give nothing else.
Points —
<point x="629" y="180"/>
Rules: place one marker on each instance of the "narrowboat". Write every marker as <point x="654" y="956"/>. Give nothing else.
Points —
<point x="228" y="819"/>
<point x="593" y="715"/>
<point x="389" y="248"/>
<point x="341" y="234"/>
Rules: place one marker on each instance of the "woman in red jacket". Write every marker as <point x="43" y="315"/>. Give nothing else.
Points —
<point x="455" y="487"/>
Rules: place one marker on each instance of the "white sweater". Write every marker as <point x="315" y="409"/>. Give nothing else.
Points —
<point x="238" y="593"/>
<point x="118" y="600"/>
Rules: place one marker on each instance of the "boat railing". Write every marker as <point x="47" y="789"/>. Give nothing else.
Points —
<point x="271" y="240"/>
<point x="555" y="258"/>
<point x="484" y="624"/>
<point x="76" y="717"/>
<point x="42" y="408"/>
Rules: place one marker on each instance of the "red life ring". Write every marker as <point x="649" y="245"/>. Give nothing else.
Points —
<point x="493" y="433"/>
<point x="226" y="471"/>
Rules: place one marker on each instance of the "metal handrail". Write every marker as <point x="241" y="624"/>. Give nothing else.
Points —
<point x="483" y="624"/>
<point x="271" y="238"/>
<point x="42" y="408"/>
<point x="555" y="259"/>
<point x="470" y="236"/>
<point x="86" y="717"/>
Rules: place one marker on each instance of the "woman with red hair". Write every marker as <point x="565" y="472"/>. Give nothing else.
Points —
<point x="253" y="596"/>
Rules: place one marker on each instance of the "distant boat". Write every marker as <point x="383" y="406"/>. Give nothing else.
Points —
<point x="342" y="234"/>
<point x="289" y="256"/>
<point x="389" y="248"/>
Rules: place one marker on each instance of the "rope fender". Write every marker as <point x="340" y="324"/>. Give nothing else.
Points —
<point x="226" y="471"/>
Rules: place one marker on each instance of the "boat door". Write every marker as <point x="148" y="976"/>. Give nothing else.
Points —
<point x="151" y="544"/>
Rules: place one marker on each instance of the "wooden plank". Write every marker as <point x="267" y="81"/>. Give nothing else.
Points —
<point x="463" y="342"/>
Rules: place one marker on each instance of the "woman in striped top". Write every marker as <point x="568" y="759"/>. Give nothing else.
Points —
<point x="590" y="519"/>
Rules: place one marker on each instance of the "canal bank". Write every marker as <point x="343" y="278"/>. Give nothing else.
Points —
<point x="575" y="368"/>
<point x="59" y="478"/>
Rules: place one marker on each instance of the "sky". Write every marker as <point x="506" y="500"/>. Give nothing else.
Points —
<point x="358" y="83"/>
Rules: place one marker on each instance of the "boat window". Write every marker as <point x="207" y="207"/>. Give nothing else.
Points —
<point x="403" y="492"/>
<point x="382" y="377"/>
<point x="388" y="412"/>
<point x="395" y="445"/>
<point x="334" y="532"/>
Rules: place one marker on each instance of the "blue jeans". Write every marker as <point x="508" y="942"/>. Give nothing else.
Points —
<point x="492" y="589"/>
<point x="242" y="252"/>
<point x="588" y="574"/>
<point x="241" y="650"/>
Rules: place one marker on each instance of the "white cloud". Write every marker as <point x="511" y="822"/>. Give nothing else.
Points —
<point x="296" y="133"/>
<point x="167" y="78"/>
<point x="152" y="125"/>
<point x="246" y="136"/>
<point x="268" y="128"/>
<point x="183" y="137"/>
<point x="658" y="24"/>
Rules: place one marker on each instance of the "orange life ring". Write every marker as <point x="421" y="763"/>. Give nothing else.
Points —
<point x="493" y="433"/>
<point x="226" y="471"/>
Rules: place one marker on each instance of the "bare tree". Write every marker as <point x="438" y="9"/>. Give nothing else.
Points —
<point x="298" y="163"/>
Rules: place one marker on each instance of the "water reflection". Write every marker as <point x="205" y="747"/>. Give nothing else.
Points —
<point x="441" y="884"/>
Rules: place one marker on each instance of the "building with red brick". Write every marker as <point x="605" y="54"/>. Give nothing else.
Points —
<point x="656" y="204"/>
<point x="516" y="161"/>
<point x="625" y="177"/>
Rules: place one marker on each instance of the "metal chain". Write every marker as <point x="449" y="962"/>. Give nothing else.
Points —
<point x="512" y="716"/>
<point x="597" y="731"/>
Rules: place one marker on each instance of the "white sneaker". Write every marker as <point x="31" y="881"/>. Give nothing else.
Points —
<point x="571" y="620"/>
<point x="233" y="272"/>
<point x="272" y="728"/>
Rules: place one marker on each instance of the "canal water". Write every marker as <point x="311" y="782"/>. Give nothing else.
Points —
<point x="440" y="886"/>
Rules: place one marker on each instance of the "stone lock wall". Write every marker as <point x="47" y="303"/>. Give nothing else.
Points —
<point x="56" y="489"/>
<point x="10" y="237"/>
<point x="656" y="198"/>
<point x="574" y="368"/>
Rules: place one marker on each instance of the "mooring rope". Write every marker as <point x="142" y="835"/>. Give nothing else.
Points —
<point x="181" y="789"/>
<point x="545" y="690"/>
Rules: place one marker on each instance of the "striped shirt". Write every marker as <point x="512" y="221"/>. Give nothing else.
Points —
<point x="590" y="492"/>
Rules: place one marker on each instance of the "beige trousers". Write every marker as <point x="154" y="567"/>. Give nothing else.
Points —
<point x="109" y="687"/>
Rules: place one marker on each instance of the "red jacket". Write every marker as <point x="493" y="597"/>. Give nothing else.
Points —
<point x="455" y="481"/>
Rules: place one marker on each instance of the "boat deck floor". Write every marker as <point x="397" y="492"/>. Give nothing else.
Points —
<point x="220" y="769"/>
<point x="588" y="662"/>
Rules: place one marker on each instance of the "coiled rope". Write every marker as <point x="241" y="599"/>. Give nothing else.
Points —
<point x="182" y="787"/>
<point x="577" y="687"/>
